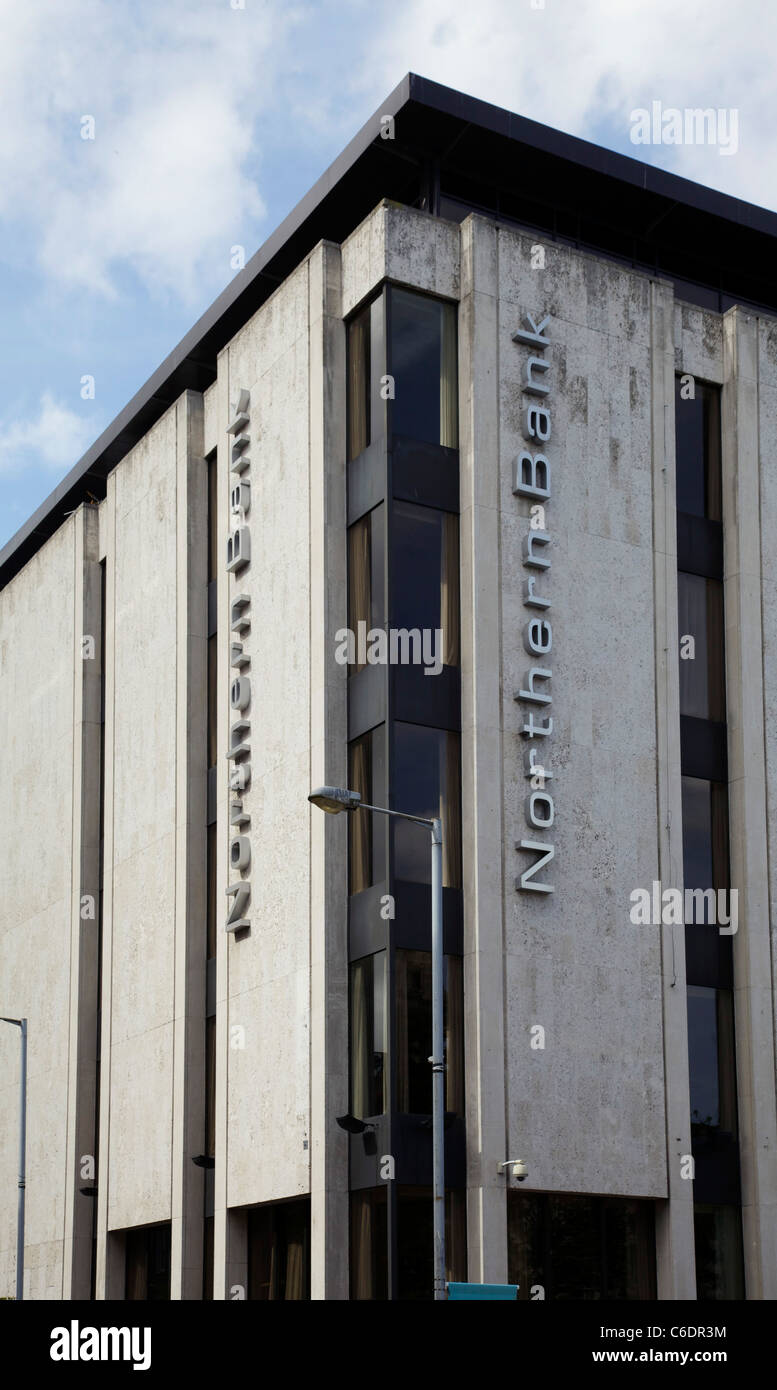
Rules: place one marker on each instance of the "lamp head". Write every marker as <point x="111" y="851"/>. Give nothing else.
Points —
<point x="334" y="799"/>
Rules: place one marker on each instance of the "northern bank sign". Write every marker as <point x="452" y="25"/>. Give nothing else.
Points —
<point x="531" y="479"/>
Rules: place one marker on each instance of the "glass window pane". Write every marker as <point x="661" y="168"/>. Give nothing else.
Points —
<point x="579" y="1247"/>
<point x="368" y="1036"/>
<point x="697" y="833"/>
<point x="279" y="1251"/>
<point x="697" y="424"/>
<point x="212" y="897"/>
<point x="425" y="575"/>
<point x="423" y="365"/>
<point x="718" y="1241"/>
<point x="700" y="617"/>
<point x="359" y="383"/>
<point x="414" y="1033"/>
<point x="415" y="1246"/>
<point x="213" y="702"/>
<point x="360" y="822"/>
<point x="703" y="1056"/>
<point x="369" y="1245"/>
<point x="213" y="519"/>
<point x="426" y="783"/>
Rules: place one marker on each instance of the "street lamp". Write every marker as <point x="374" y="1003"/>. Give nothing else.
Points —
<point x="22" y="1024"/>
<point x="336" y="799"/>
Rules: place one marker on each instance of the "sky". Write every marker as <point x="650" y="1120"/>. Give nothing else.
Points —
<point x="141" y="142"/>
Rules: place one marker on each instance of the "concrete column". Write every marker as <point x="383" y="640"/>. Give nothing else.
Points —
<point x="191" y="851"/>
<point x="328" y="765"/>
<point x="481" y="753"/>
<point x="110" y="1265"/>
<point x="224" y="1275"/>
<point x="676" y="1269"/>
<point x="753" y="1002"/>
<point x="81" y="1158"/>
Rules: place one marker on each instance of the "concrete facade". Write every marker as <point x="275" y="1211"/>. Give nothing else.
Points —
<point x="603" y="1107"/>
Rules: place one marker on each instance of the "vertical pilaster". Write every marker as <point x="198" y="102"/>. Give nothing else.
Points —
<point x="190" y="855"/>
<point x="328" y="766"/>
<point x="81" y="1158"/>
<point x="228" y="1262"/>
<point x="675" y="1261"/>
<point x="753" y="1001"/>
<point x="110" y="1266"/>
<point x="481" y="752"/>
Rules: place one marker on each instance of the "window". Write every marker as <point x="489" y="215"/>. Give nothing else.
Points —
<point x="147" y="1263"/>
<point x="213" y="702"/>
<point x="359" y="366"/>
<point x="368" y="1036"/>
<point x="426" y="783"/>
<point x="369" y="1245"/>
<point x="415" y="1245"/>
<point x="702" y="678"/>
<point x="360" y="822"/>
<point x="580" y="1247"/>
<point x="213" y="518"/>
<point x="414" y="1033"/>
<point x="425" y="574"/>
<point x="365" y="578"/>
<point x="423" y="364"/>
<point x="711" y="1060"/>
<point x="698" y="452"/>
<point x="212" y="897"/>
<point x="279" y="1251"/>
<point x="719" y="1265"/>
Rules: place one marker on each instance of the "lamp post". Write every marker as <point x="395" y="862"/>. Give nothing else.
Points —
<point x="336" y="799"/>
<point x="22" y="1024"/>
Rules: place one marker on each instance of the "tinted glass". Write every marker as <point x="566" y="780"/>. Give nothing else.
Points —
<point x="423" y="365"/>
<point x="697" y="424"/>
<point x="425" y="575"/>
<point x="426" y="783"/>
<point x="700" y="622"/>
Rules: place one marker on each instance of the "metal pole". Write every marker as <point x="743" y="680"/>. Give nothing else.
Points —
<point x="22" y="1164"/>
<point x="437" y="1060"/>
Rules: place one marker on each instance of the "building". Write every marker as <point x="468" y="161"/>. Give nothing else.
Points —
<point x="490" y="382"/>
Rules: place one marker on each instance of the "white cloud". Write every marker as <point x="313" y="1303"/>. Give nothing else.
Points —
<point x="186" y="95"/>
<point x="584" y="65"/>
<point x="54" y="438"/>
<point x="176" y="91"/>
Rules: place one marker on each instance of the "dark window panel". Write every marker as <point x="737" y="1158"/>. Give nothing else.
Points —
<point x="702" y="676"/>
<point x="697" y="426"/>
<point x="711" y="1060"/>
<point x="415" y="1245"/>
<point x="426" y="783"/>
<point x="368" y="1036"/>
<point x="414" y="1033"/>
<point x="359" y="355"/>
<point x="719" y="1262"/>
<point x="147" y="1264"/>
<point x="425" y="575"/>
<point x="279" y="1251"/>
<point x="422" y="361"/>
<point x="213" y="703"/>
<point x="213" y="518"/>
<point x="369" y="1245"/>
<point x="581" y="1247"/>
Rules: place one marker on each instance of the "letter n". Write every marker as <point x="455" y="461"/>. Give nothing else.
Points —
<point x="547" y="852"/>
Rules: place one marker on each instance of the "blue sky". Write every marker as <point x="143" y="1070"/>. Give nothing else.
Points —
<point x="212" y="118"/>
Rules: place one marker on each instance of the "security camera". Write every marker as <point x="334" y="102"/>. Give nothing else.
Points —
<point x="517" y="1167"/>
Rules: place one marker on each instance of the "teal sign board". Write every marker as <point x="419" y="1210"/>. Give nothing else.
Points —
<point x="483" y="1291"/>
